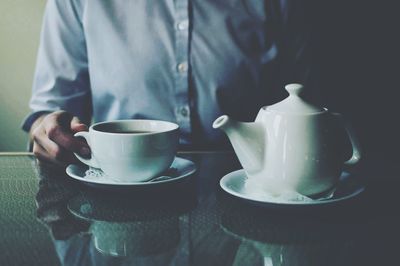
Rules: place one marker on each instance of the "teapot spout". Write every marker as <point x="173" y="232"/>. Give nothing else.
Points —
<point x="248" y="141"/>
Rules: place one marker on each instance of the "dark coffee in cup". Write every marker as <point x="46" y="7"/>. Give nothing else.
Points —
<point x="131" y="131"/>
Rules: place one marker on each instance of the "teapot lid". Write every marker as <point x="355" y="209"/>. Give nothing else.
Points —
<point x="294" y="103"/>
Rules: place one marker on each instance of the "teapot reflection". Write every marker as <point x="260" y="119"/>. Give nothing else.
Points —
<point x="281" y="239"/>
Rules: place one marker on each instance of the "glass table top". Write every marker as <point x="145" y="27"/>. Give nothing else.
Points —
<point x="48" y="218"/>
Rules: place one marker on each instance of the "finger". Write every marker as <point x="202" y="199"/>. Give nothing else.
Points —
<point x="41" y="142"/>
<point x="77" y="125"/>
<point x="63" y="118"/>
<point x="65" y="139"/>
<point x="40" y="137"/>
<point x="71" y="125"/>
<point x="42" y="155"/>
<point x="50" y="149"/>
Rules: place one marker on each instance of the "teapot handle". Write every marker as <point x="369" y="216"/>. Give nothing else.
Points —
<point x="356" y="156"/>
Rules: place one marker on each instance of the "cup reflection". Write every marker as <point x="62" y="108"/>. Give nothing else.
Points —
<point x="132" y="226"/>
<point x="140" y="238"/>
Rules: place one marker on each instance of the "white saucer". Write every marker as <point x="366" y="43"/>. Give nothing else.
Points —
<point x="179" y="169"/>
<point x="234" y="184"/>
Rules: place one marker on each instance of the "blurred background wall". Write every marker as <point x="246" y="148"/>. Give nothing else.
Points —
<point x="20" y="22"/>
<point x="357" y="48"/>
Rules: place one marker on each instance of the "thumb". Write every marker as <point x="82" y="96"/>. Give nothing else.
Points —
<point x="77" y="125"/>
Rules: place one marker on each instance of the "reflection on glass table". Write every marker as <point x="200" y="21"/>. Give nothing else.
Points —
<point x="48" y="218"/>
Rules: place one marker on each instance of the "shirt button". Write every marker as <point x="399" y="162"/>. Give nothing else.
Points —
<point x="184" y="111"/>
<point x="183" y="25"/>
<point x="183" y="67"/>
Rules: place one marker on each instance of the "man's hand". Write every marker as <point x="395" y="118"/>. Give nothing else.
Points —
<point x="53" y="138"/>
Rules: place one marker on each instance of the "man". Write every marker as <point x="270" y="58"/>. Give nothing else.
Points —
<point x="185" y="61"/>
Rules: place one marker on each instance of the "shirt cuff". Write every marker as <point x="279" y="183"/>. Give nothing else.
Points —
<point x="31" y="118"/>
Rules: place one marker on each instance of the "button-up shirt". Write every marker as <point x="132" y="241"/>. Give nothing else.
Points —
<point x="185" y="61"/>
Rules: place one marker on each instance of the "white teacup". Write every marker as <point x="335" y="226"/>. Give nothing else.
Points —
<point x="131" y="150"/>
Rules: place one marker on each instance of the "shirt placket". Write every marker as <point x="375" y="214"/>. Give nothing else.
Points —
<point x="182" y="109"/>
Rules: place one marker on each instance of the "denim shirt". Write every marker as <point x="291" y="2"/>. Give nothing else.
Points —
<point x="185" y="61"/>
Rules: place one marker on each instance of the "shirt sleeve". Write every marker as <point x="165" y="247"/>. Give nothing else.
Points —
<point x="61" y="79"/>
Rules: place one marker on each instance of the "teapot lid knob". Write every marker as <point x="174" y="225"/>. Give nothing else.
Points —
<point x="294" y="89"/>
<point x="295" y="104"/>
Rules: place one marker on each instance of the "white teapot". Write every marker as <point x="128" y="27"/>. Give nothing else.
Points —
<point x="292" y="145"/>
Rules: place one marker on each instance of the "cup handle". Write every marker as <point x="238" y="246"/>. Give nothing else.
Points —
<point x="92" y="161"/>
<point x="356" y="156"/>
